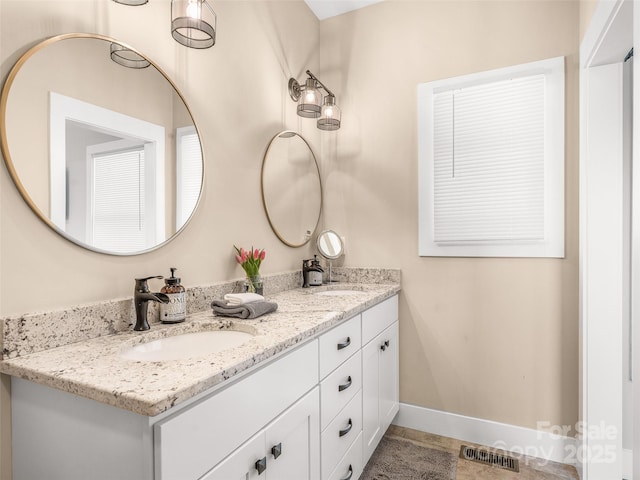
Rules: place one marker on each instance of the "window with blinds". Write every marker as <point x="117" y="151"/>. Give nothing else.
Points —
<point x="189" y="177"/>
<point x="118" y="201"/>
<point x="491" y="154"/>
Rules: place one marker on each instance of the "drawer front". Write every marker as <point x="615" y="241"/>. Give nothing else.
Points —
<point x="339" y="388"/>
<point x="188" y="444"/>
<point x="338" y="437"/>
<point x="378" y="317"/>
<point x="350" y="466"/>
<point x="339" y="344"/>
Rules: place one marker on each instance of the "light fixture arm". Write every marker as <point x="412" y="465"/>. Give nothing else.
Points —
<point x="311" y="75"/>
<point x="295" y="90"/>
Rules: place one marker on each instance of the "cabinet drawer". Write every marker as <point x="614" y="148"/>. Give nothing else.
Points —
<point x="189" y="443"/>
<point x="378" y="317"/>
<point x="339" y="344"/>
<point x="338" y="388"/>
<point x="350" y="466"/>
<point x="340" y="434"/>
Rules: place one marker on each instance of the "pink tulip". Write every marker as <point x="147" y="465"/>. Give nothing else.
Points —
<point x="238" y="258"/>
<point x="243" y="256"/>
<point x="262" y="255"/>
<point x="256" y="253"/>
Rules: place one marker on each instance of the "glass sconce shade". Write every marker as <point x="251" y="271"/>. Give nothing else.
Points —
<point x="310" y="102"/>
<point x="330" y="116"/>
<point x="193" y="23"/>
<point x="133" y="3"/>
<point x="127" y="58"/>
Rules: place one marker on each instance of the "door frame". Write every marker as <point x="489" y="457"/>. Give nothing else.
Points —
<point x="604" y="46"/>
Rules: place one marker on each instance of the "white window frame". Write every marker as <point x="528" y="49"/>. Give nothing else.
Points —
<point x="552" y="245"/>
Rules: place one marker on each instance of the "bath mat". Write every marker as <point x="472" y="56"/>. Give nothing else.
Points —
<point x="397" y="459"/>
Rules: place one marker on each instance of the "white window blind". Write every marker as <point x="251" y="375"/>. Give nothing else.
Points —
<point x="189" y="178"/>
<point x="492" y="163"/>
<point x="119" y="201"/>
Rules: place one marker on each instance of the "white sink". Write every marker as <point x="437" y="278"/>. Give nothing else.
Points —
<point x="338" y="293"/>
<point x="187" y="345"/>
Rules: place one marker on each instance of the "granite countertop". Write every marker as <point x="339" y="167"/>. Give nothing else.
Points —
<point x="94" y="369"/>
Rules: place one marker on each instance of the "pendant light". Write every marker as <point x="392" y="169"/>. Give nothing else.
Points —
<point x="311" y="103"/>
<point x="193" y="23"/>
<point x="330" y="115"/>
<point x="127" y="58"/>
<point x="133" y="3"/>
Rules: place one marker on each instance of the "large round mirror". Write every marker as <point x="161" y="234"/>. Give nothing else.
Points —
<point x="291" y="188"/>
<point x="100" y="144"/>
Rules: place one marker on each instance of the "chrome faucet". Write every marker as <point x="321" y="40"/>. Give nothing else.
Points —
<point x="141" y="297"/>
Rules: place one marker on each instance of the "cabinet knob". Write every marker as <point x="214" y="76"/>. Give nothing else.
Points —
<point x="344" y="386"/>
<point x="386" y="343"/>
<point x="276" y="450"/>
<point x="349" y="475"/>
<point x="261" y="465"/>
<point x="383" y="347"/>
<point x="344" y="344"/>
<point x="342" y="433"/>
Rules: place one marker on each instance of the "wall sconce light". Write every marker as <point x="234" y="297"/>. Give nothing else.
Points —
<point x="133" y="3"/>
<point x="311" y="105"/>
<point x="193" y="23"/>
<point x="127" y="58"/>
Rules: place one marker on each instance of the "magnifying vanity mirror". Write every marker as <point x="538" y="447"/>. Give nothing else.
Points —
<point x="291" y="188"/>
<point x="330" y="245"/>
<point x="107" y="154"/>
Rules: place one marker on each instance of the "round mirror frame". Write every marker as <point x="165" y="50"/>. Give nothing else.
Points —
<point x="289" y="133"/>
<point x="4" y="145"/>
<point x="325" y="254"/>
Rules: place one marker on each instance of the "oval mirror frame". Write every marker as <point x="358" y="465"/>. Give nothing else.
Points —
<point x="11" y="166"/>
<point x="330" y="245"/>
<point x="314" y="168"/>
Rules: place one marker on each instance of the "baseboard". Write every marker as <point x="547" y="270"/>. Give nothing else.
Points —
<point x="518" y="440"/>
<point x="627" y="464"/>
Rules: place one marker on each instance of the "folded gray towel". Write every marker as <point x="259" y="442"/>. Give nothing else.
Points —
<point x="247" y="310"/>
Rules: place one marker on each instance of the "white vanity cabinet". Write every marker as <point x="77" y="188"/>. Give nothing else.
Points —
<point x="190" y="443"/>
<point x="380" y="375"/>
<point x="287" y="449"/>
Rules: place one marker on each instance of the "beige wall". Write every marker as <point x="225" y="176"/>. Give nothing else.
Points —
<point x="587" y="8"/>
<point x="488" y="338"/>
<point x="237" y="92"/>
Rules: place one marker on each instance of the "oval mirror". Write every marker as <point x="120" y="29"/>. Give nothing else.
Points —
<point x="291" y="188"/>
<point x="330" y="245"/>
<point x="100" y="144"/>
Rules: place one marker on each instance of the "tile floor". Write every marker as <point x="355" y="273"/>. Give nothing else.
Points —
<point x="530" y="468"/>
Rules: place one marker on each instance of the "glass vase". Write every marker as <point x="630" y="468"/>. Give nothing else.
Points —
<point x="253" y="285"/>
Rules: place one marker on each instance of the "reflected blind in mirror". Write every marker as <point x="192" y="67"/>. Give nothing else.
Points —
<point x="119" y="201"/>
<point x="189" y="176"/>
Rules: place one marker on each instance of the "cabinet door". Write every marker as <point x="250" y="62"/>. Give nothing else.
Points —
<point x="379" y="387"/>
<point x="293" y="441"/>
<point x="242" y="463"/>
<point x="389" y="401"/>
<point x="371" y="433"/>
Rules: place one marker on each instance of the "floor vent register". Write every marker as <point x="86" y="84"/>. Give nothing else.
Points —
<point x="499" y="460"/>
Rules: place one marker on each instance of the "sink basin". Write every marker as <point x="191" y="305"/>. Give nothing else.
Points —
<point x="338" y="293"/>
<point x="187" y="345"/>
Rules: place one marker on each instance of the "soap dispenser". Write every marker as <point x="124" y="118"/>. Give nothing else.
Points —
<point x="175" y="310"/>
<point x="315" y="272"/>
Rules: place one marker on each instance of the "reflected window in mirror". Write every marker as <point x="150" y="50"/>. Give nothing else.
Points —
<point x="189" y="175"/>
